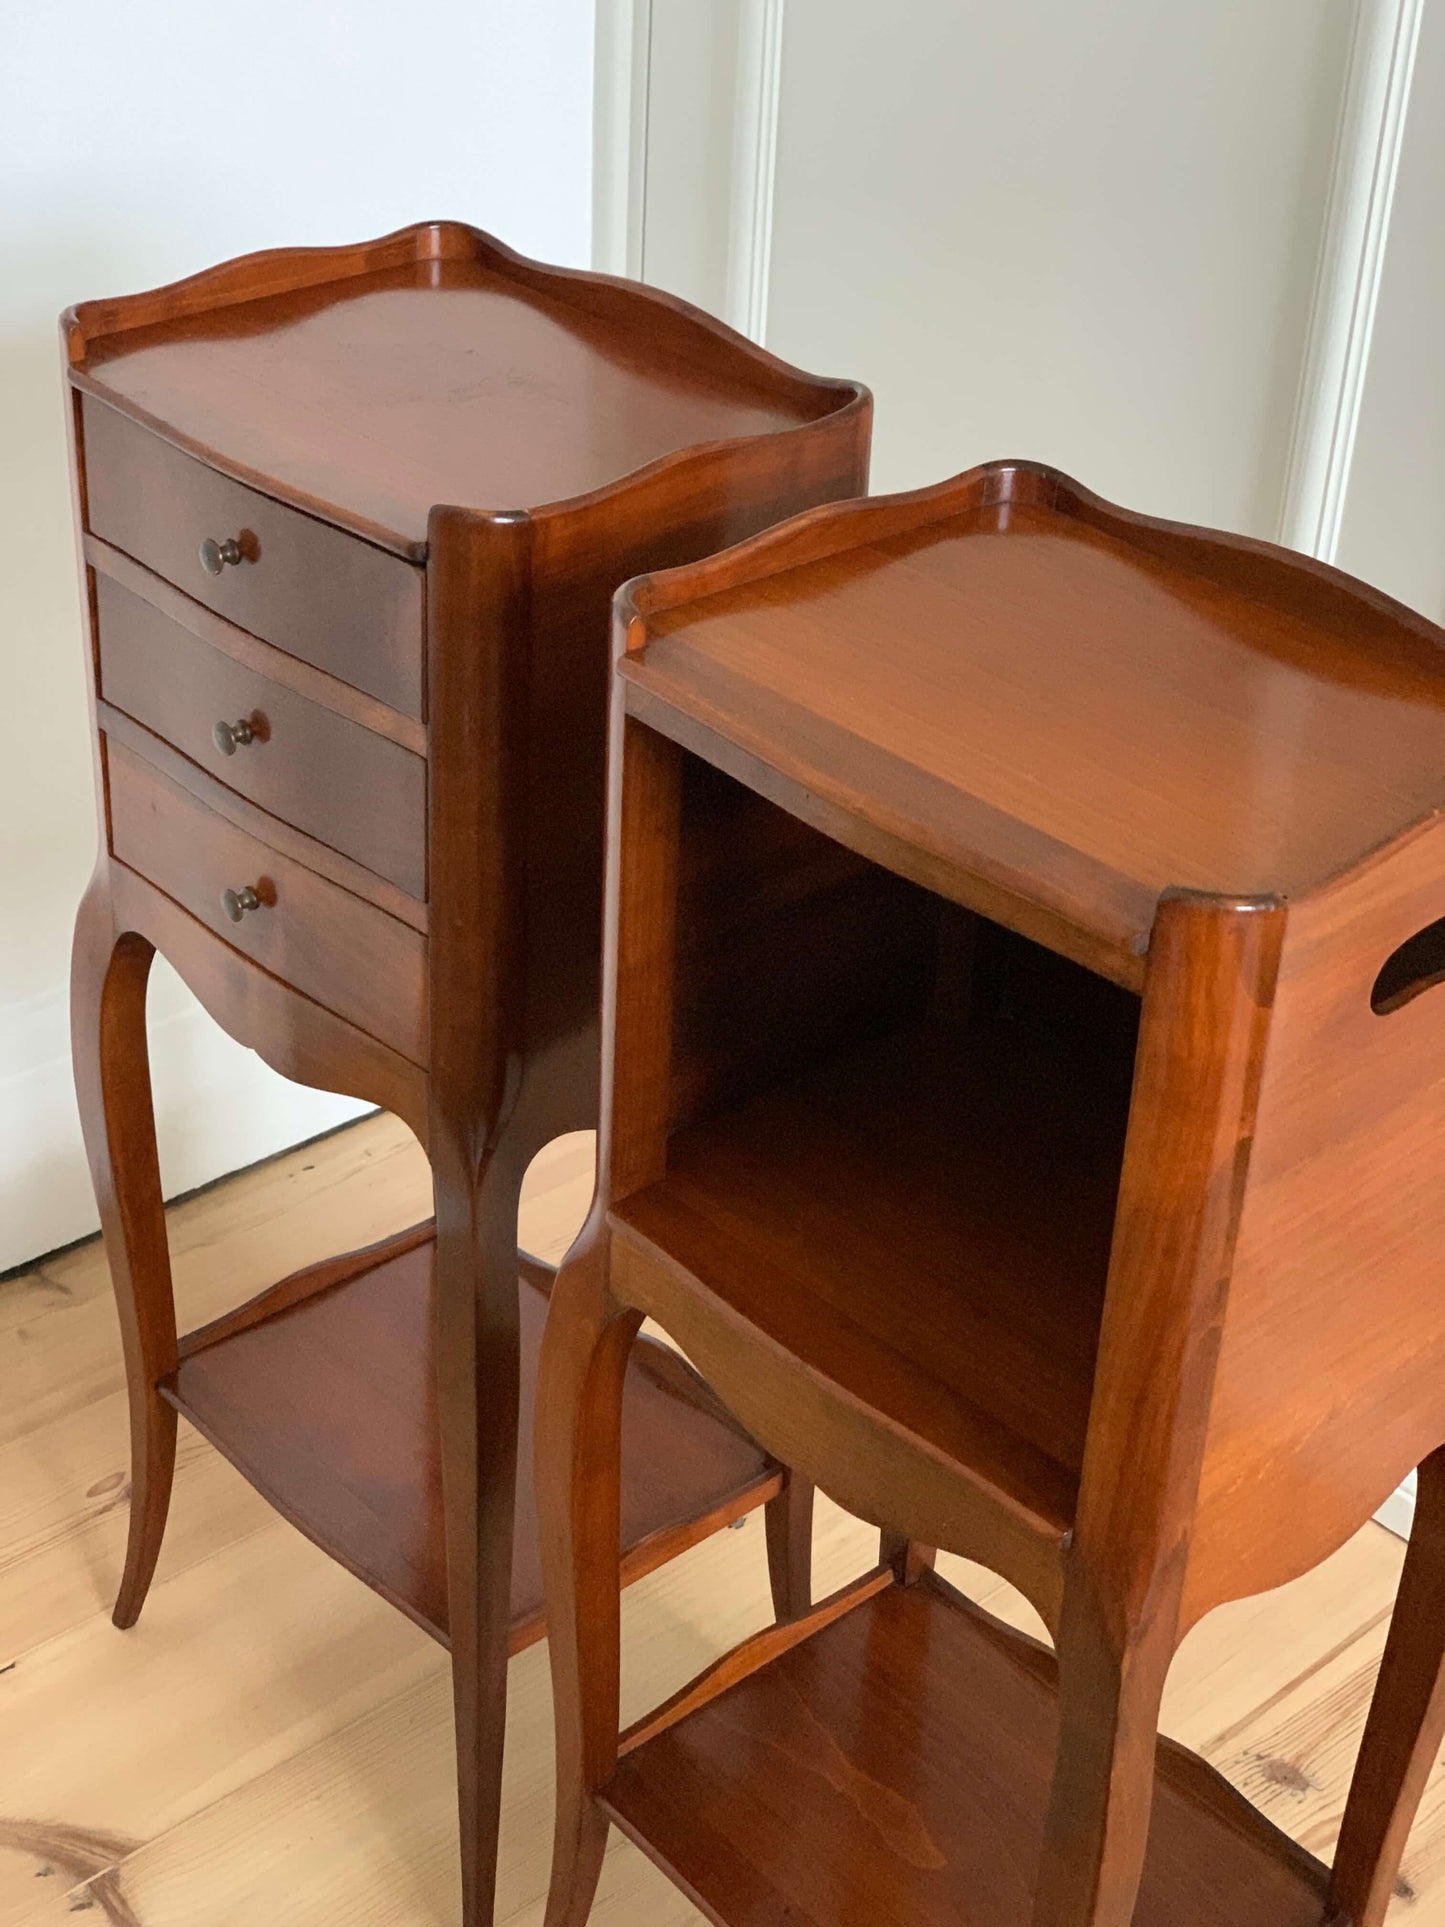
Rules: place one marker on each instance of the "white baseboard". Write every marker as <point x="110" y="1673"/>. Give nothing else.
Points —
<point x="218" y="1109"/>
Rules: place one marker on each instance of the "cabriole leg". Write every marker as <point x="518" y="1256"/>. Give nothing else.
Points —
<point x="1406" y="1723"/>
<point x="109" y="971"/>
<point x="579" y="1471"/>
<point x="478" y="1341"/>
<point x="1103" y="1786"/>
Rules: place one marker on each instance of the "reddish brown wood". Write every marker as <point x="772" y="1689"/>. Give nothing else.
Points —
<point x="1125" y="1288"/>
<point x="788" y="1520"/>
<point x="800" y="1789"/>
<point x="438" y="461"/>
<point x="577" y="1450"/>
<point x="900" y="1156"/>
<point x="324" y="1392"/>
<point x="300" y="1039"/>
<point x="1406" y="1724"/>
<point x="331" y="778"/>
<point x="251" y="652"/>
<point x="1132" y="660"/>
<point x="232" y="807"/>
<point x="341" y="604"/>
<point x="109" y="973"/>
<point x="1212" y="971"/>
<point x="366" y="966"/>
<point x="753" y="1654"/>
<point x="286" y="368"/>
<point x="1338" y="1239"/>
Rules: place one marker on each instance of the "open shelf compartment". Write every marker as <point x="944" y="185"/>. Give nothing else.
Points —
<point x="894" y="1767"/>
<point x="896" y="1160"/>
<point x="323" y="1392"/>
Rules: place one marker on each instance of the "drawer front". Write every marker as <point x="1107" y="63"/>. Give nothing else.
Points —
<point x="321" y="772"/>
<point x="311" y="589"/>
<point x="313" y="935"/>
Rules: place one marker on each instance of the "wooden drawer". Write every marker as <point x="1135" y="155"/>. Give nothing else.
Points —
<point x="325" y="774"/>
<point x="351" y="608"/>
<point x="315" y="936"/>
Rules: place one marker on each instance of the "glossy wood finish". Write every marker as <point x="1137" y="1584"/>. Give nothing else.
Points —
<point x="343" y="605"/>
<point x="231" y="807"/>
<point x="284" y="1735"/>
<point x="1406" y="1725"/>
<point x="448" y="458"/>
<point x="366" y="966"/>
<point x="1212" y="714"/>
<point x="899" y="1155"/>
<point x="330" y="777"/>
<point x="753" y="1803"/>
<point x="1123" y="1288"/>
<point x="329" y="692"/>
<point x="324" y="1392"/>
<point x="296" y="1036"/>
<point x="519" y="386"/>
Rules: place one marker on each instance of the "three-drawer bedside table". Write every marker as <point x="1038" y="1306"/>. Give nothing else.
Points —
<point x="351" y="520"/>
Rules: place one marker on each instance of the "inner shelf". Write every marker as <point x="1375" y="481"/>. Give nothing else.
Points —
<point x="323" y="1392"/>
<point x="894" y="1768"/>
<point x="923" y="1220"/>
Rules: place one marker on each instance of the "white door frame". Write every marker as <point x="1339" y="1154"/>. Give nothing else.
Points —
<point x="1336" y="354"/>
<point x="619" y="183"/>
<point x="1352" y="259"/>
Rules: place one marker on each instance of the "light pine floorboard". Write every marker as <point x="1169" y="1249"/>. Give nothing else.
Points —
<point x="271" y="1746"/>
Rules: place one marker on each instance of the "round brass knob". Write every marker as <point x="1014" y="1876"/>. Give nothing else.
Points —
<point x="229" y="737"/>
<point x="236" y="903"/>
<point x="216" y="555"/>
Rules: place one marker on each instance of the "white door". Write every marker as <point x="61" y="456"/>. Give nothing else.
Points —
<point x="1088" y="235"/>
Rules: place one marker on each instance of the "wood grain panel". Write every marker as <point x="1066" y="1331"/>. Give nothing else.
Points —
<point x="354" y="790"/>
<point x="320" y="593"/>
<point x="349" y="956"/>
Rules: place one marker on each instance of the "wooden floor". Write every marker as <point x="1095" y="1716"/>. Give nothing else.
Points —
<point x="271" y="1746"/>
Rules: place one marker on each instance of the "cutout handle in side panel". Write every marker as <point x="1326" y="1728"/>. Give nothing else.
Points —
<point x="1414" y="967"/>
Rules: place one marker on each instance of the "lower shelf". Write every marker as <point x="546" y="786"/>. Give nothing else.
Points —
<point x="894" y="1767"/>
<point x="322" y="1391"/>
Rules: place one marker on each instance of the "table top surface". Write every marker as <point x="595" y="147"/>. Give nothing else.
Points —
<point x="1082" y="702"/>
<point x="457" y="380"/>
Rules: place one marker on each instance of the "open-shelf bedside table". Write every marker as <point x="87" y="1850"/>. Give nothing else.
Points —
<point x="1025" y="1097"/>
<point x="351" y="520"/>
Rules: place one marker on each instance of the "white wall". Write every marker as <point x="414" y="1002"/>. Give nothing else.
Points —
<point x="1080" y="233"/>
<point x="140" y="142"/>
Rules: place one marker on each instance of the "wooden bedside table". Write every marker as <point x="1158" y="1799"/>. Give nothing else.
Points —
<point x="1058" y="1185"/>
<point x="351" y="520"/>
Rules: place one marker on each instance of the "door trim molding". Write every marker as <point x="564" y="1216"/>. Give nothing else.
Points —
<point x="620" y="77"/>
<point x="621" y="87"/>
<point x="1342" y="318"/>
<point x="755" y="152"/>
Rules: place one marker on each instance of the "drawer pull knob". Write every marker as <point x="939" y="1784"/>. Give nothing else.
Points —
<point x="216" y="555"/>
<point x="229" y="737"/>
<point x="236" y="903"/>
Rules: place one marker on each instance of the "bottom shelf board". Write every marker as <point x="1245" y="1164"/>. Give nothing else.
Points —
<point x="894" y="1768"/>
<point x="323" y="1392"/>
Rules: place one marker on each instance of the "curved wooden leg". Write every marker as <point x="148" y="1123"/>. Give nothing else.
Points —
<point x="1103" y="1786"/>
<point x="788" y="1522"/>
<point x="112" y="1085"/>
<point x="1406" y="1724"/>
<point x="579" y="1482"/>
<point x="478" y="1336"/>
